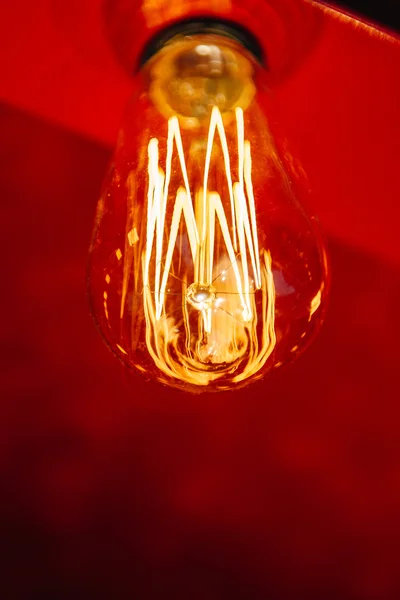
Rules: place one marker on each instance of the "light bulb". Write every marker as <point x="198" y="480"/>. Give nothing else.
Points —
<point x="205" y="271"/>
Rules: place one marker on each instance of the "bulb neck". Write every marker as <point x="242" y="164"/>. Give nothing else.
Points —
<point x="203" y="25"/>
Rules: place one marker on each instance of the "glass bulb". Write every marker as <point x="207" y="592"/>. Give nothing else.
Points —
<point x="205" y="271"/>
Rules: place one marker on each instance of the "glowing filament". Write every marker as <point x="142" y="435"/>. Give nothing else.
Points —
<point x="226" y="326"/>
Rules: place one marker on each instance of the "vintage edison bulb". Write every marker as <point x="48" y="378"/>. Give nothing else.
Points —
<point x="205" y="272"/>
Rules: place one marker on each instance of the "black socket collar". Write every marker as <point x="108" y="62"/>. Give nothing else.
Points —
<point x="198" y="25"/>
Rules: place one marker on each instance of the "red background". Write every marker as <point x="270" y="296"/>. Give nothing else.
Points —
<point x="112" y="488"/>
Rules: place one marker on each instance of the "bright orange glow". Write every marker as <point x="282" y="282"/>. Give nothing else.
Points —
<point x="223" y="315"/>
<point x="214" y="273"/>
<point x="158" y="12"/>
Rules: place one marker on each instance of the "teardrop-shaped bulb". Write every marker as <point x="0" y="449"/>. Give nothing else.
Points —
<point x="205" y="271"/>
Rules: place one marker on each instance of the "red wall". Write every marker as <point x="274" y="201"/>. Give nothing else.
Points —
<point x="112" y="488"/>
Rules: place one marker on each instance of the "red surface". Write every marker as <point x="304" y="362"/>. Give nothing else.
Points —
<point x="290" y="491"/>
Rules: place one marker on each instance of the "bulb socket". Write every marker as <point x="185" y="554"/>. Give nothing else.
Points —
<point x="203" y="25"/>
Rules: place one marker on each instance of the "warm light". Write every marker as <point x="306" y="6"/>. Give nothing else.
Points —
<point x="205" y="272"/>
